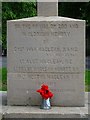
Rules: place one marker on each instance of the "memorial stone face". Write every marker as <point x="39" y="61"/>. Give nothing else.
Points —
<point x="46" y="50"/>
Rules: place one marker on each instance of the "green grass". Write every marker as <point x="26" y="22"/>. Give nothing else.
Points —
<point x="3" y="80"/>
<point x="87" y="80"/>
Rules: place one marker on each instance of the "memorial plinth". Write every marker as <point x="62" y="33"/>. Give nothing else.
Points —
<point x="46" y="50"/>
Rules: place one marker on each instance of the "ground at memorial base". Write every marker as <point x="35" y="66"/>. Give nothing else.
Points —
<point x="34" y="112"/>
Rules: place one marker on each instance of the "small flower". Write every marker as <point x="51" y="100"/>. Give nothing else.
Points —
<point x="45" y="92"/>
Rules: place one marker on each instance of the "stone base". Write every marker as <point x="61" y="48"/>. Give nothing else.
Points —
<point x="27" y="112"/>
<point x="36" y="112"/>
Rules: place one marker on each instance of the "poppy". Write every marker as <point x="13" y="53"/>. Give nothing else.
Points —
<point x="45" y="92"/>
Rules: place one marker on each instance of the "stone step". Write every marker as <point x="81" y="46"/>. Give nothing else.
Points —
<point x="34" y="112"/>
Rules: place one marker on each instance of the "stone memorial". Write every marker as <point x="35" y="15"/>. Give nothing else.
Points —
<point x="46" y="49"/>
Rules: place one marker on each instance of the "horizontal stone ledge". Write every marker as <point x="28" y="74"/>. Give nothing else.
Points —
<point x="36" y="112"/>
<point x="19" y="112"/>
<point x="80" y="72"/>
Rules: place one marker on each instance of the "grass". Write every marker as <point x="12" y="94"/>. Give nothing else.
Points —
<point x="87" y="80"/>
<point x="3" y="80"/>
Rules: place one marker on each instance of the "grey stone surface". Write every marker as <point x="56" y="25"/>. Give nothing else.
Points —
<point x="36" y="112"/>
<point x="3" y="97"/>
<point x="47" y="8"/>
<point x="3" y="61"/>
<point x="55" y="112"/>
<point x="46" y="50"/>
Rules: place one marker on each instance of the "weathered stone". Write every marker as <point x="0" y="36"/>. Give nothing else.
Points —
<point x="46" y="50"/>
<point x="21" y="112"/>
<point x="24" y="112"/>
<point x="47" y="8"/>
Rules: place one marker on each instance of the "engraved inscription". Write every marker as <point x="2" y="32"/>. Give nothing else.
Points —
<point x="46" y="25"/>
<point x="46" y="76"/>
<point x="63" y="56"/>
<point x="46" y="69"/>
<point x="41" y="49"/>
<point x="46" y="49"/>
<point x="60" y="29"/>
